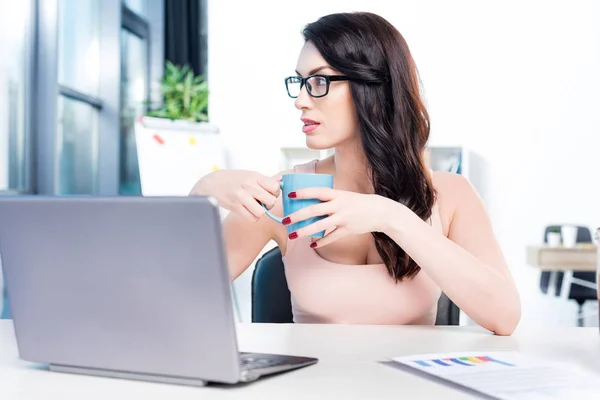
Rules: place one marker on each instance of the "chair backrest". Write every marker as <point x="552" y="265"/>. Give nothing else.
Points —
<point x="577" y="292"/>
<point x="271" y="298"/>
<point x="447" y="312"/>
<point x="584" y="235"/>
<point x="4" y="305"/>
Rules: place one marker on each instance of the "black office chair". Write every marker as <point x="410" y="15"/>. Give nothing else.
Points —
<point x="271" y="299"/>
<point x="579" y="293"/>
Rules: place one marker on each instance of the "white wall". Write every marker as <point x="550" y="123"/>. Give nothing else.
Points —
<point x="515" y="81"/>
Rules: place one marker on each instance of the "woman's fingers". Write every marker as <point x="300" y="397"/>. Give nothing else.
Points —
<point x="263" y="196"/>
<point x="244" y="213"/>
<point x="331" y="237"/>
<point x="271" y="185"/>
<point x="317" y="210"/>
<point x="315" y="227"/>
<point x="250" y="203"/>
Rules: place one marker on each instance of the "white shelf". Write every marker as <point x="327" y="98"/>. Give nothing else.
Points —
<point x="440" y="158"/>
<point x="296" y="155"/>
<point x="448" y="158"/>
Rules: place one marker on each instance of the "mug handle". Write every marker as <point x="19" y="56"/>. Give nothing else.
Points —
<point x="273" y="217"/>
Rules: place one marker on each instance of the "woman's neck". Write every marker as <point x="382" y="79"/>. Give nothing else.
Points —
<point x="351" y="169"/>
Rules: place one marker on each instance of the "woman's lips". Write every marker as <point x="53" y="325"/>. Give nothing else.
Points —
<point x="310" y="128"/>
<point x="309" y="125"/>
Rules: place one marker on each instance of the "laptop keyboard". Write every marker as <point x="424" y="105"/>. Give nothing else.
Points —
<point x="251" y="361"/>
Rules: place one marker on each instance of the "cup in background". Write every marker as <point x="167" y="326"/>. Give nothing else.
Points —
<point x="569" y="235"/>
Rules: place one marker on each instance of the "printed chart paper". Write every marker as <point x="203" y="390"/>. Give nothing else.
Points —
<point x="508" y="375"/>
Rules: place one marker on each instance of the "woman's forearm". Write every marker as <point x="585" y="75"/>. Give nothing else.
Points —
<point x="203" y="186"/>
<point x="482" y="292"/>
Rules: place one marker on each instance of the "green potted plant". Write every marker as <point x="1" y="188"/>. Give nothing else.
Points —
<point x="185" y="96"/>
<point x="176" y="144"/>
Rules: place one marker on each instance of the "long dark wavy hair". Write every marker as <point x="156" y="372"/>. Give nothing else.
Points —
<point x="393" y="122"/>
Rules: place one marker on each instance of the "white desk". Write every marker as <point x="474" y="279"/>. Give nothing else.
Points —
<point x="348" y="367"/>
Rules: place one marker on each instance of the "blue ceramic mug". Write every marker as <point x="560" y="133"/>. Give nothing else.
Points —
<point x="293" y="182"/>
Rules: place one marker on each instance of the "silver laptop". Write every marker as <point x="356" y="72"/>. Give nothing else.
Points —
<point x="128" y="287"/>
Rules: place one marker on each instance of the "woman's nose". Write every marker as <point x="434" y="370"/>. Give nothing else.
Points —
<point x="304" y="100"/>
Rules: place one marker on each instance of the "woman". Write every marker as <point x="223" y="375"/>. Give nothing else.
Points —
<point x="397" y="234"/>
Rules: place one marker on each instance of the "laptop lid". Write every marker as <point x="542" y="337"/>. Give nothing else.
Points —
<point x="133" y="284"/>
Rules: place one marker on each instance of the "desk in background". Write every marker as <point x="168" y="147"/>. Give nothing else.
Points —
<point x="582" y="258"/>
<point x="348" y="365"/>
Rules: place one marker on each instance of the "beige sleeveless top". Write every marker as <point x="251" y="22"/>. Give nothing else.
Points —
<point x="328" y="292"/>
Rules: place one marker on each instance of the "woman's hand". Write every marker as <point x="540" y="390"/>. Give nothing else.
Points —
<point x="240" y="191"/>
<point x="347" y="213"/>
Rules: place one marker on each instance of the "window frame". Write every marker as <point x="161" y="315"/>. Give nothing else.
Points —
<point x="136" y="25"/>
<point x="42" y="90"/>
<point x="139" y="26"/>
<point x="28" y="115"/>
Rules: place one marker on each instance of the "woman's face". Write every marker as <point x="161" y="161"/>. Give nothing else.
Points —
<point x="328" y="121"/>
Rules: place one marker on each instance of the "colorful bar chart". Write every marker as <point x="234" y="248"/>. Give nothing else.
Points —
<point x="473" y="361"/>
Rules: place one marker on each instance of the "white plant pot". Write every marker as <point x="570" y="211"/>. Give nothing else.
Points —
<point x="173" y="155"/>
<point x="553" y="239"/>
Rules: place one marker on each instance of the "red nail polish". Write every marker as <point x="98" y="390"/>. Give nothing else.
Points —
<point x="293" y="235"/>
<point x="286" y="221"/>
<point x="292" y="195"/>
<point x="313" y="244"/>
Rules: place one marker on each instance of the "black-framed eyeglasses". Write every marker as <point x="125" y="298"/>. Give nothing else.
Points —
<point x="316" y="85"/>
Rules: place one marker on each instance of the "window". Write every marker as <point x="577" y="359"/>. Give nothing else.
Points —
<point x="78" y="103"/>
<point x="136" y="6"/>
<point x="78" y="45"/>
<point x="87" y="59"/>
<point x="78" y="152"/>
<point x="14" y="24"/>
<point x="134" y="92"/>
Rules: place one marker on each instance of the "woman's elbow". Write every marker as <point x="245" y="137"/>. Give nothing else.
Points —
<point x="507" y="321"/>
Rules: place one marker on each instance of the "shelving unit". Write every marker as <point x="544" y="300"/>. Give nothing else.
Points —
<point x="440" y="158"/>
<point x="295" y="155"/>
<point x="448" y="158"/>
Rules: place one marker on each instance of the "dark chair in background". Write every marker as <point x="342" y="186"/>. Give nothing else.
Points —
<point x="271" y="299"/>
<point x="5" y="309"/>
<point x="579" y="293"/>
<point x="4" y="304"/>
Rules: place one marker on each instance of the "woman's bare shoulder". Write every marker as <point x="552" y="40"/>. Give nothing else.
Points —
<point x="450" y="183"/>
<point x="451" y="189"/>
